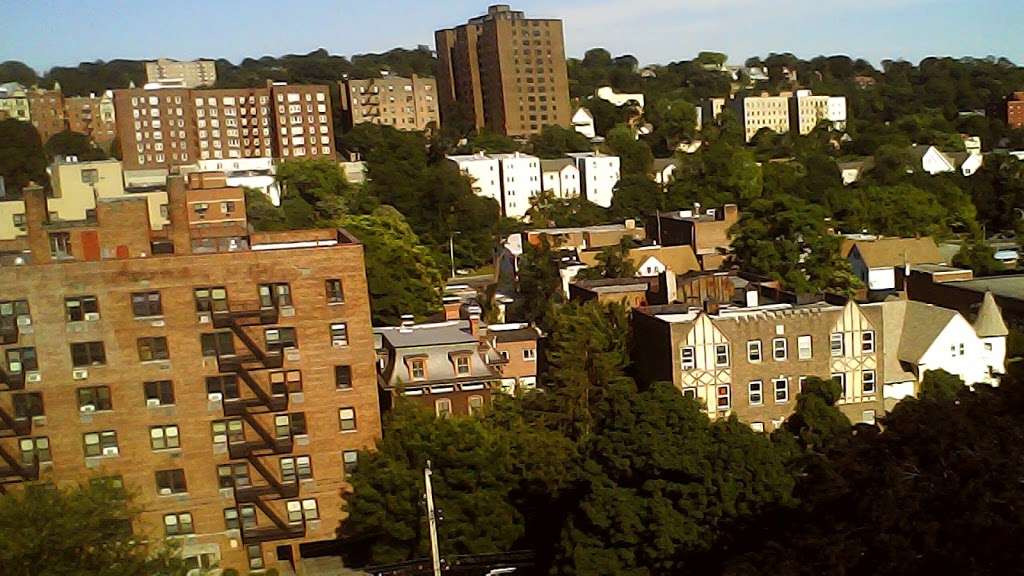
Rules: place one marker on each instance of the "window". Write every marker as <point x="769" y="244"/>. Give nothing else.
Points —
<point x="339" y="334"/>
<point x="100" y="443"/>
<point x="227" y="207"/>
<point x="836" y="344"/>
<point x="780" y="349"/>
<point x="754" y="351"/>
<point x="226" y="385"/>
<point x="280" y="338"/>
<point x="755" y="393"/>
<point x="302" y="510"/>
<point x="28" y="405"/>
<point x="343" y="377"/>
<point x="153" y="348"/>
<point x="443" y="408"/>
<point x="757" y="427"/>
<point x="242" y="517"/>
<point x="868" y="417"/>
<point x="867" y="341"/>
<point x="688" y="357"/>
<point x="529" y="354"/>
<point x="255" y="554"/>
<point x="462" y="365"/>
<point x="159" y="393"/>
<point x="722" y="394"/>
<point x="217" y="344"/>
<point x="60" y="245"/>
<point x="418" y="369"/>
<point x="35" y="450"/>
<point x="868" y="379"/>
<point x="164" y="437"/>
<point x="94" y="399"/>
<point x="347" y="419"/>
<point x="145" y="304"/>
<point x="22" y="360"/>
<point x="297" y="468"/>
<point x="781" y="390"/>
<point x="170" y="482"/>
<point x="275" y="295"/>
<point x="88" y="354"/>
<point x="286" y="425"/>
<point x="178" y="524"/>
<point x="211" y="299"/>
<point x="349" y="461"/>
<point x="803" y="347"/>
<point x="721" y="354"/>
<point x="233" y="475"/>
<point x="335" y="294"/>
<point x="81" y="308"/>
<point x="840" y="378"/>
<point x="476" y="404"/>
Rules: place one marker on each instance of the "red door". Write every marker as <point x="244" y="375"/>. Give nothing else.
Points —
<point x="91" y="245"/>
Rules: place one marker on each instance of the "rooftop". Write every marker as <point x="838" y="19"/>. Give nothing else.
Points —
<point x="1010" y="286"/>
<point x="439" y="333"/>
<point x="889" y="252"/>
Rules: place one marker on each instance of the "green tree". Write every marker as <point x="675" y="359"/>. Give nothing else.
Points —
<point x="14" y="71"/>
<point x="977" y="255"/>
<point x="402" y="276"/>
<point x="900" y="210"/>
<point x="674" y="120"/>
<point x="635" y="156"/>
<point x="313" y="189"/>
<point x="636" y="197"/>
<point x="22" y="159"/>
<point x="539" y="284"/>
<point x="77" y="531"/>
<point x="492" y="143"/>
<point x="548" y="211"/>
<point x="261" y="212"/>
<point x="787" y="239"/>
<point x="556" y="141"/>
<point x="816" y="423"/>
<point x="612" y="262"/>
<point x="940" y="385"/>
<point x="68" y="143"/>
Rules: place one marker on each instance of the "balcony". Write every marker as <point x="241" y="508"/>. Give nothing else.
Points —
<point x="12" y="380"/>
<point x="242" y="406"/>
<point x="253" y="448"/>
<point x="271" y="533"/>
<point x="12" y="470"/>
<point x="245" y="314"/>
<point x="250" y="494"/>
<point x="13" y="428"/>
<point x="270" y="360"/>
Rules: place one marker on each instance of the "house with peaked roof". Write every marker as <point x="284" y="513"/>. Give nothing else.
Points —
<point x="874" y="259"/>
<point x="664" y="170"/>
<point x="966" y="162"/>
<point x="560" y="176"/>
<point x="931" y="159"/>
<point x="583" y="122"/>
<point x="653" y="260"/>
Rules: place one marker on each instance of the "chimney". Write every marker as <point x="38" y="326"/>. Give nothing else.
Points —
<point x="710" y="306"/>
<point x="408" y="321"/>
<point x="671" y="289"/>
<point x="476" y="327"/>
<point x="452" y="307"/>
<point x="177" y="212"/>
<point x="36" y="215"/>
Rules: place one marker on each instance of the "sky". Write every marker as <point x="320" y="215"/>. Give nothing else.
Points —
<point x="45" y="33"/>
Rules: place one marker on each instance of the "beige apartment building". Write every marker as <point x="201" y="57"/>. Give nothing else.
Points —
<point x="757" y="112"/>
<point x="190" y="74"/>
<point x="166" y="127"/>
<point x="403" y="103"/>
<point x="506" y="70"/>
<point x="14" y="102"/>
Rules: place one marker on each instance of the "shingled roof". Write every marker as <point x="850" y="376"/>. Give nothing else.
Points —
<point x="989" y="322"/>
<point x="890" y="252"/>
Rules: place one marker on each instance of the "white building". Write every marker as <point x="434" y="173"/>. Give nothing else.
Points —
<point x="931" y="160"/>
<point x="583" y="122"/>
<point x="599" y="173"/>
<point x="561" y="177"/>
<point x="483" y="171"/>
<point x="520" y="178"/>
<point x="608" y="94"/>
<point x="256" y="173"/>
<point x="874" y="260"/>
<point x="759" y="112"/>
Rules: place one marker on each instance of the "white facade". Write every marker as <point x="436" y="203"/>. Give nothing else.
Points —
<point x="256" y="173"/>
<point x="583" y="122"/>
<point x="874" y="278"/>
<point x="564" y="182"/>
<point x="972" y="164"/>
<point x="608" y="94"/>
<point x="599" y="173"/>
<point x="483" y="171"/>
<point x="520" y="178"/>
<point x="933" y="161"/>
<point x="957" y="351"/>
<point x="809" y="110"/>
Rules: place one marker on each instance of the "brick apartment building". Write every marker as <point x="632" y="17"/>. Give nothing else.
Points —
<point x="1015" y="110"/>
<point x="92" y="115"/>
<point x="402" y="103"/>
<point x="226" y="378"/>
<point x="189" y="73"/>
<point x="506" y="70"/>
<point x="47" y="110"/>
<point x="166" y="127"/>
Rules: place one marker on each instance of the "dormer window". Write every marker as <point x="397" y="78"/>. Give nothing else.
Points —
<point x="417" y="368"/>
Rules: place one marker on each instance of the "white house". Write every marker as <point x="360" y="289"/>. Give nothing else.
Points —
<point x="561" y="176"/>
<point x="664" y="170"/>
<point x="520" y="178"/>
<point x="483" y="171"/>
<point x="608" y="94"/>
<point x="583" y="122"/>
<point x="931" y="160"/>
<point x="968" y="163"/>
<point x="599" y="173"/>
<point x="874" y="260"/>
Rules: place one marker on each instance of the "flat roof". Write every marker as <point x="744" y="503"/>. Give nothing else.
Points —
<point x="1011" y="286"/>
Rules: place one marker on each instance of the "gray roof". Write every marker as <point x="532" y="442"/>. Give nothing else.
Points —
<point x="990" y="320"/>
<point x="452" y="332"/>
<point x="515" y="335"/>
<point x="1005" y="286"/>
<point x="556" y="165"/>
<point x="437" y="344"/>
<point x="660" y="164"/>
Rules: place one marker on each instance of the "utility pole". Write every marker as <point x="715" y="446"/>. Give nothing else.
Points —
<point x="451" y="251"/>
<point x="432" y="522"/>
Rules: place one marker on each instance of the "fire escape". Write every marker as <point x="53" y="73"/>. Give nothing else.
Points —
<point x="12" y="468"/>
<point x="255" y="410"/>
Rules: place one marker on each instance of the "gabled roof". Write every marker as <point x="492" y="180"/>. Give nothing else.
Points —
<point x="660" y="164"/>
<point x="989" y="322"/>
<point x="919" y="151"/>
<point x="889" y="252"/>
<point x="678" y="259"/>
<point x="922" y="325"/>
<point x="556" y="165"/>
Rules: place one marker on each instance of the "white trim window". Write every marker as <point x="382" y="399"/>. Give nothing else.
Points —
<point x="755" y="393"/>
<point x="867" y="340"/>
<point x="780" y="349"/>
<point x="754" y="351"/>
<point x="688" y="357"/>
<point x="840" y="378"/>
<point x="723" y="396"/>
<point x="721" y="355"/>
<point x="803" y="347"/>
<point x="868" y="383"/>
<point x="836" y="344"/>
<point x="781" y="386"/>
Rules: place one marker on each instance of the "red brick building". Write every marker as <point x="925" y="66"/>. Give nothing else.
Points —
<point x="226" y="378"/>
<point x="1015" y="110"/>
<point x="47" y="109"/>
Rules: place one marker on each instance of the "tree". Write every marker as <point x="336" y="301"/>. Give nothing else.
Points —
<point x="313" y="190"/>
<point x="261" y="212"/>
<point x="83" y="530"/>
<point x="786" y="239"/>
<point x="539" y="284"/>
<point x="612" y="262"/>
<point x="492" y="143"/>
<point x="635" y="156"/>
<point x="473" y="475"/>
<point x="940" y="385"/>
<point x="817" y="423"/>
<point x="14" y="71"/>
<point x="900" y="210"/>
<point x="68" y="143"/>
<point x="674" y="120"/>
<point x="22" y="159"/>
<point x="556" y="141"/>
<point x="977" y="255"/>
<point x="548" y="211"/>
<point x="636" y="197"/>
<point x="402" y="276"/>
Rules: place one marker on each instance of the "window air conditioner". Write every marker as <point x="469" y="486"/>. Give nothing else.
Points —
<point x="87" y="408"/>
<point x="110" y="451"/>
<point x="152" y="402"/>
<point x="165" y="491"/>
<point x="204" y="318"/>
<point x="34" y="377"/>
<point x="92" y="316"/>
<point x="79" y="374"/>
<point x="214" y="396"/>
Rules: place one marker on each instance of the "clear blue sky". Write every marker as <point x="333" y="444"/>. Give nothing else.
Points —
<point x="45" y="33"/>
